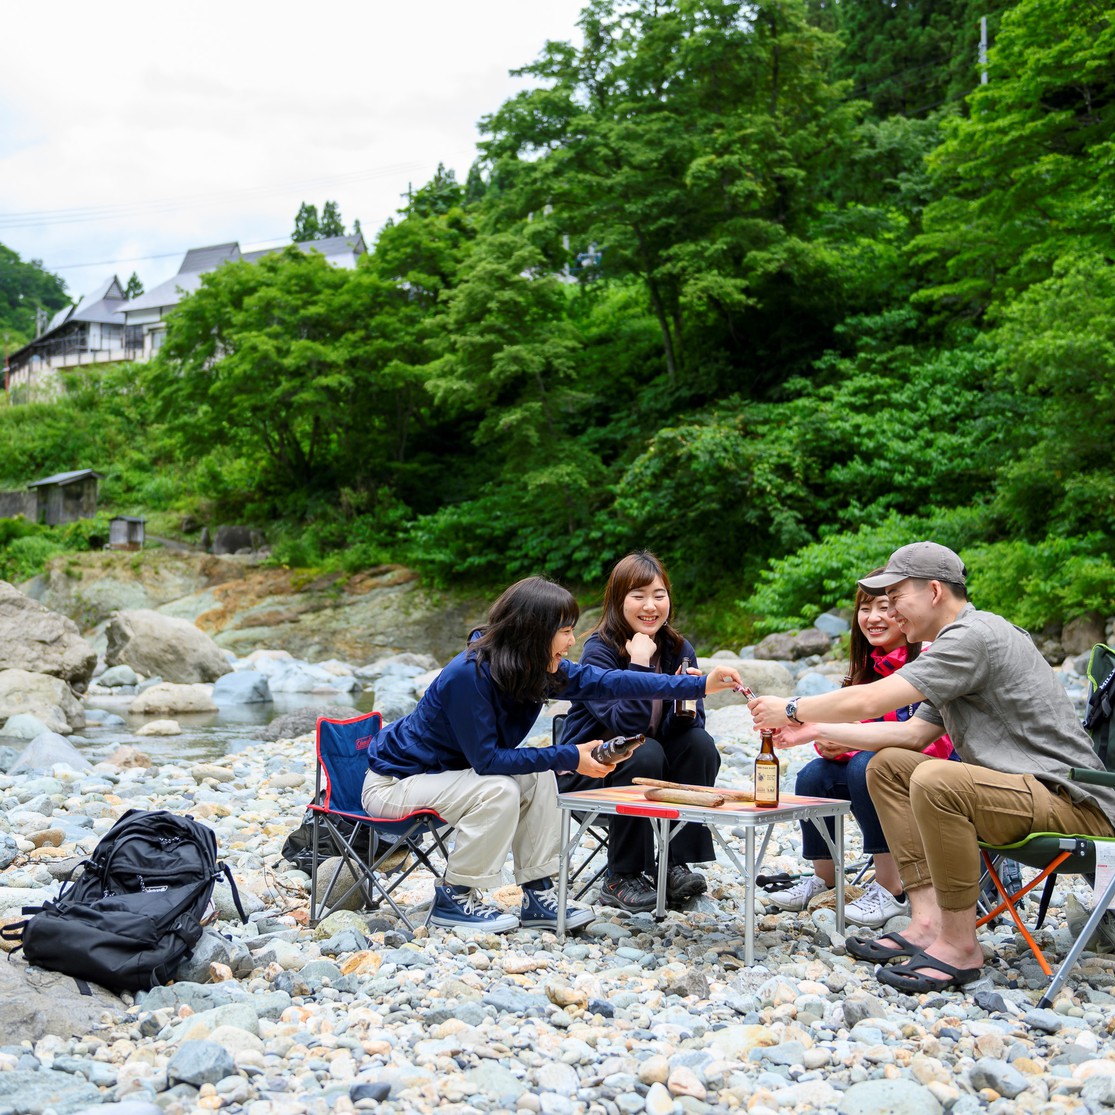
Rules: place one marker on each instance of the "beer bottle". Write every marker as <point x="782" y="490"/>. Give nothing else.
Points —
<point x="611" y="751"/>
<point x="766" y="771"/>
<point x="685" y="708"/>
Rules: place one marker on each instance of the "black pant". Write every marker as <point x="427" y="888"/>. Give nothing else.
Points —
<point x="691" y="757"/>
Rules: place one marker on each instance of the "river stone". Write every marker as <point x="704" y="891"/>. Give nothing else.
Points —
<point x="61" y="1093"/>
<point x="241" y="687"/>
<point x="159" y="728"/>
<point x="832" y="625"/>
<point x="170" y="697"/>
<point x="760" y="675"/>
<point x="46" y="750"/>
<point x="888" y="1097"/>
<point x="173" y="649"/>
<point x="200" y="1062"/>
<point x="49" y="698"/>
<point x="810" y="641"/>
<point x="35" y="639"/>
<point x="116" y="676"/>
<point x="303" y="721"/>
<point x="34" y="1002"/>
<point x="988" y="1072"/>
<point x="25" y="726"/>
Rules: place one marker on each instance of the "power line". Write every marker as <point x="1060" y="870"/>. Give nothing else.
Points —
<point x="82" y="214"/>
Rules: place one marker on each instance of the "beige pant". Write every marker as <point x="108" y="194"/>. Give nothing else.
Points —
<point x="934" y="813"/>
<point x="492" y="814"/>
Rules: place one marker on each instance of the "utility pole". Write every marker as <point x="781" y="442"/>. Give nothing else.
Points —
<point x="983" y="50"/>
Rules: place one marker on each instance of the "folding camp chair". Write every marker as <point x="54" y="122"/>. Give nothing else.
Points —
<point x="1056" y="854"/>
<point x="400" y="845"/>
<point x="596" y="832"/>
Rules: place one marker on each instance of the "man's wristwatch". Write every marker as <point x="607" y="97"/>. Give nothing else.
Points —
<point x="792" y="710"/>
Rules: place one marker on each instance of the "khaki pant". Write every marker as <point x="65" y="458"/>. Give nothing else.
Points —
<point x="492" y="814"/>
<point x="934" y="812"/>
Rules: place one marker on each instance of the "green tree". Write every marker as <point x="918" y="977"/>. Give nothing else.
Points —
<point x="331" y="223"/>
<point x="307" y="224"/>
<point x="1027" y="175"/>
<point x="25" y="288"/>
<point x="134" y="288"/>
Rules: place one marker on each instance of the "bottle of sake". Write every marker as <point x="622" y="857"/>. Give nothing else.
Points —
<point x="766" y="771"/>
<point x="685" y="708"/>
<point x="619" y="747"/>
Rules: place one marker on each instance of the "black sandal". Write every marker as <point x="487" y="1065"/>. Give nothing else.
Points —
<point x="906" y="977"/>
<point x="865" y="948"/>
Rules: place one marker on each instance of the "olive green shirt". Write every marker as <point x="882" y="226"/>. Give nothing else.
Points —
<point x="1003" y="706"/>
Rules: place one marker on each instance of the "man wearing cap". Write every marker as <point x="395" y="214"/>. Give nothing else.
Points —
<point x="1010" y="720"/>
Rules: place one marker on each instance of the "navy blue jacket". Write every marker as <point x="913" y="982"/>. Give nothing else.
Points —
<point x="600" y="720"/>
<point x="464" y="720"/>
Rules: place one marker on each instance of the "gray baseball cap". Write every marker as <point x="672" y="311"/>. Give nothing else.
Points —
<point x="925" y="561"/>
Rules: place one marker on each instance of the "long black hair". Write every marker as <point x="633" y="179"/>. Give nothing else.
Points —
<point x="516" y="641"/>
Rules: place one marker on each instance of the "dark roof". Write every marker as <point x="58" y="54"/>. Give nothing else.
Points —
<point x="126" y="519"/>
<point x="67" y="477"/>
<point x="205" y="259"/>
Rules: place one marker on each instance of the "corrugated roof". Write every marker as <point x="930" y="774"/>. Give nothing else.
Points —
<point x="165" y="294"/>
<point x="67" y="477"/>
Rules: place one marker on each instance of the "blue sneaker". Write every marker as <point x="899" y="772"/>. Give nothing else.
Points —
<point x="466" y="909"/>
<point x="540" y="911"/>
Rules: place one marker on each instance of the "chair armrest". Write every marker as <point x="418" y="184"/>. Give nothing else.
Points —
<point x="1095" y="777"/>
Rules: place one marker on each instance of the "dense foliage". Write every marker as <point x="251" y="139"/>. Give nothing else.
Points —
<point x="769" y="288"/>
<point x="25" y="288"/>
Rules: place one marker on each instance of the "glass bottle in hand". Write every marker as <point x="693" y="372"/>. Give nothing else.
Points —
<point x="685" y="708"/>
<point x="766" y="771"/>
<point x="619" y="747"/>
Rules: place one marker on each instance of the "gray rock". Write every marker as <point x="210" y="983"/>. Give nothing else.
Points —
<point x="812" y="683"/>
<point x="232" y="538"/>
<point x="810" y="641"/>
<point x="175" y="649"/>
<point x="9" y="850"/>
<point x="779" y="647"/>
<point x="988" y="1072"/>
<point x="832" y="625"/>
<point x="1079" y="635"/>
<point x="241" y="687"/>
<point x="35" y="639"/>
<point x="863" y="1006"/>
<point x="49" y="698"/>
<point x="375" y="1090"/>
<point x="212" y="948"/>
<point x="1099" y="1088"/>
<point x="889" y="1097"/>
<point x="46" y="750"/>
<point x="303" y="721"/>
<point x="24" y="726"/>
<point x="493" y="1080"/>
<point x="1048" y="1021"/>
<point x="395" y="697"/>
<point x="116" y="676"/>
<point x="45" y="1090"/>
<point x="200" y="1062"/>
<point x="34" y="1002"/>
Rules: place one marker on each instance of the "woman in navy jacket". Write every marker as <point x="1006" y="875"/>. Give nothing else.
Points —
<point x="635" y="635"/>
<point x="458" y="753"/>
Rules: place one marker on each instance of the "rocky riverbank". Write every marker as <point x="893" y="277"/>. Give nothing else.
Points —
<point x="627" y="1016"/>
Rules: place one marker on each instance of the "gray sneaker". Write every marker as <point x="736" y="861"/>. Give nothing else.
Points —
<point x="797" y="897"/>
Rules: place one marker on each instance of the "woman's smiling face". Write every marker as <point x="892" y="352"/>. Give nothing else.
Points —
<point x="647" y="607"/>
<point x="562" y="644"/>
<point x="878" y="624"/>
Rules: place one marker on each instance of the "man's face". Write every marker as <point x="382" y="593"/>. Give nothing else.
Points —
<point x="913" y="603"/>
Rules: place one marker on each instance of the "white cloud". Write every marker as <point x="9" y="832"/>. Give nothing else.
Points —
<point x="179" y="126"/>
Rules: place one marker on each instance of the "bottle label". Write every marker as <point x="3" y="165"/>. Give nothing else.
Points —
<point x="766" y="782"/>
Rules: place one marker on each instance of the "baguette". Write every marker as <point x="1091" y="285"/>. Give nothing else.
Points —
<point x="685" y="797"/>
<point x="727" y="795"/>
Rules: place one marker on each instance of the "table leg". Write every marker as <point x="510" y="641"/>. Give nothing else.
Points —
<point x="563" y="873"/>
<point x="838" y="828"/>
<point x="749" y="896"/>
<point x="662" y="839"/>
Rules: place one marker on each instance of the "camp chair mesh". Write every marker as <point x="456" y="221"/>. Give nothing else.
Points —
<point x="1054" y="854"/>
<point x="399" y="846"/>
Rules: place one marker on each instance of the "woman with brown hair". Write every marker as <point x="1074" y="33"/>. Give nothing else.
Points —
<point x="635" y="634"/>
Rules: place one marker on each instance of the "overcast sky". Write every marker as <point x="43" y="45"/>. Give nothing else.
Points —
<point x="132" y="131"/>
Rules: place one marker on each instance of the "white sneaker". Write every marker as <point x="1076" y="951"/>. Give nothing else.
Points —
<point x="798" y="896"/>
<point x="875" y="907"/>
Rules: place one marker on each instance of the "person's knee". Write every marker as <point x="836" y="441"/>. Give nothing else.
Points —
<point x="499" y="791"/>
<point x="935" y="785"/>
<point x="647" y="761"/>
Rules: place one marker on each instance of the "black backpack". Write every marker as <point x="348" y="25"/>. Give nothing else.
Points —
<point x="135" y="911"/>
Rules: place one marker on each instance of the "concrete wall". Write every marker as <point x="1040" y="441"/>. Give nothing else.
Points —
<point x="18" y="503"/>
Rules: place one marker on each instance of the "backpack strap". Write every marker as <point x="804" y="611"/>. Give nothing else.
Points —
<point x="222" y="869"/>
